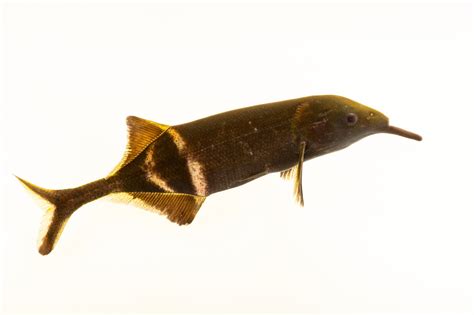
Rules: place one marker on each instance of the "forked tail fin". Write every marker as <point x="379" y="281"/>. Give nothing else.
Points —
<point x="58" y="211"/>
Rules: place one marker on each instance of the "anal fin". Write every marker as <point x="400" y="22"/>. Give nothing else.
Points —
<point x="179" y="208"/>
<point x="296" y="172"/>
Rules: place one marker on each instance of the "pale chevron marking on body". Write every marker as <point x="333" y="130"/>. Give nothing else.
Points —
<point x="195" y="167"/>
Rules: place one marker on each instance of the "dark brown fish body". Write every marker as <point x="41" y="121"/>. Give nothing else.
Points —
<point x="226" y="150"/>
<point x="172" y="169"/>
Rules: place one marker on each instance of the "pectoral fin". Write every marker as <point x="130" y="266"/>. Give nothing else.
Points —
<point x="287" y="174"/>
<point x="296" y="172"/>
<point x="179" y="208"/>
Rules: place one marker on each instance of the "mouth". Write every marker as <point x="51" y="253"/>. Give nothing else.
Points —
<point x="402" y="132"/>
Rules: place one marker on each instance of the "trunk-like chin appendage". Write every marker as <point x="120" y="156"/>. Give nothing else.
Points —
<point x="403" y="133"/>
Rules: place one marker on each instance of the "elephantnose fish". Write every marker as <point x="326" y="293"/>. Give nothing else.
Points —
<point x="173" y="169"/>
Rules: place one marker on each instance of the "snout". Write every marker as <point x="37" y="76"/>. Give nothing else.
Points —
<point x="402" y="132"/>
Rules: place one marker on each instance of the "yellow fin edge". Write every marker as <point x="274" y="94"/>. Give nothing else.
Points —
<point x="141" y="133"/>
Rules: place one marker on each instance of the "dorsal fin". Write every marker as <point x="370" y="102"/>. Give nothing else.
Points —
<point x="141" y="133"/>
<point x="179" y="208"/>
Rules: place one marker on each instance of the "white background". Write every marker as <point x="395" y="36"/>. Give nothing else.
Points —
<point x="388" y="222"/>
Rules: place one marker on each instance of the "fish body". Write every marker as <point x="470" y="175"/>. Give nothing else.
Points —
<point x="223" y="151"/>
<point x="172" y="169"/>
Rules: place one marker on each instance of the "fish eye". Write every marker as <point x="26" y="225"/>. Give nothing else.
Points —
<point x="351" y="119"/>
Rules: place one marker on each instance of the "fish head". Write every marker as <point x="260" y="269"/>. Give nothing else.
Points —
<point x="337" y="122"/>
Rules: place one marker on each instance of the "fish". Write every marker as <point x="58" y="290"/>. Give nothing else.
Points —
<point x="171" y="170"/>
